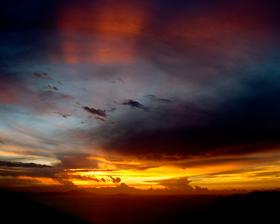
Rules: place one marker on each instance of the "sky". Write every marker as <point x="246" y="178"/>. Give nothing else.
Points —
<point x="164" y="95"/>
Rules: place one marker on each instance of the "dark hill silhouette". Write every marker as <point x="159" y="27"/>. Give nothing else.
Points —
<point x="143" y="209"/>
<point x="255" y="207"/>
<point x="18" y="208"/>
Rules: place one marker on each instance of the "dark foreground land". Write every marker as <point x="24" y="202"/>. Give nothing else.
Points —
<point x="54" y="208"/>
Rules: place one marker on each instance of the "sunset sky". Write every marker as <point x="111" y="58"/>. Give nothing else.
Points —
<point x="168" y="95"/>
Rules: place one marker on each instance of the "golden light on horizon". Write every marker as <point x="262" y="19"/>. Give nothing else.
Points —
<point x="221" y="172"/>
<point x="234" y="175"/>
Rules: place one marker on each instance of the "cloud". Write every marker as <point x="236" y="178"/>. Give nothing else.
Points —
<point x="76" y="160"/>
<point x="84" y="178"/>
<point x="156" y="99"/>
<point x="115" y="179"/>
<point x="64" y="115"/>
<point x="182" y="183"/>
<point x="42" y="75"/>
<point x="19" y="174"/>
<point x="267" y="174"/>
<point x="42" y="174"/>
<point x="134" y="104"/>
<point x="23" y="165"/>
<point x="98" y="112"/>
<point x="54" y="88"/>
<point x="18" y="91"/>
<point x="240" y="121"/>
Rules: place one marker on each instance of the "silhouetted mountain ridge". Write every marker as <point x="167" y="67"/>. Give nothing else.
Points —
<point x="19" y="208"/>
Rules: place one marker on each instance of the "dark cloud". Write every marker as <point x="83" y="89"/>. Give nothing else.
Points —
<point x="134" y="104"/>
<point x="42" y="75"/>
<point x="76" y="160"/>
<point x="85" y="178"/>
<point x="155" y="98"/>
<point x="23" y="165"/>
<point x="227" y="159"/>
<point x="98" y="112"/>
<point x="94" y="179"/>
<point x="64" y="115"/>
<point x="267" y="173"/>
<point x="245" y="121"/>
<point x="115" y="179"/>
<point x="14" y="171"/>
<point x="52" y="87"/>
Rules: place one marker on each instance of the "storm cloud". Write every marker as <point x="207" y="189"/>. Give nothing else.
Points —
<point x="19" y="164"/>
<point x="245" y="121"/>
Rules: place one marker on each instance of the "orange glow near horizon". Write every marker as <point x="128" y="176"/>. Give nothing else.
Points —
<point x="107" y="171"/>
<point x="234" y="175"/>
<point x="146" y="174"/>
<point x="40" y="180"/>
